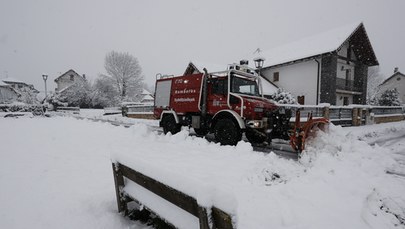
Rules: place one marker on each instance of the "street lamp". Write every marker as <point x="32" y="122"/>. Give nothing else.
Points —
<point x="259" y="61"/>
<point x="45" y="77"/>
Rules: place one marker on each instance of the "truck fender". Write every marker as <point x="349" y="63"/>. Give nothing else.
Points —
<point x="171" y="112"/>
<point x="235" y="115"/>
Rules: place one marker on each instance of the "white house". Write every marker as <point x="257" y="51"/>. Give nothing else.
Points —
<point x="68" y="79"/>
<point x="329" y="67"/>
<point x="147" y="97"/>
<point x="7" y="93"/>
<point x="25" y="92"/>
<point x="397" y="80"/>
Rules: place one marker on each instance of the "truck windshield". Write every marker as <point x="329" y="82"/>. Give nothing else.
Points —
<point x="244" y="86"/>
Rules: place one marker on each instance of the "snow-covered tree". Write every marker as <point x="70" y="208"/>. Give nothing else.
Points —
<point x="375" y="78"/>
<point x="77" y="95"/>
<point x="126" y="74"/>
<point x="283" y="97"/>
<point x="390" y="97"/>
<point x="27" y="95"/>
<point x="105" y="92"/>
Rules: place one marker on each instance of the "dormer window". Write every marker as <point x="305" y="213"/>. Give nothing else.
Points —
<point x="72" y="77"/>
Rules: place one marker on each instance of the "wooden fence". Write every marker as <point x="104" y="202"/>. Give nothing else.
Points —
<point x="74" y="110"/>
<point x="354" y="115"/>
<point x="219" y="218"/>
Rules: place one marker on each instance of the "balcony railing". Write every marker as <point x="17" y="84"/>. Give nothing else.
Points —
<point x="347" y="85"/>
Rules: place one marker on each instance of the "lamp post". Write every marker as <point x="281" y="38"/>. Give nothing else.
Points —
<point x="45" y="77"/>
<point x="259" y="61"/>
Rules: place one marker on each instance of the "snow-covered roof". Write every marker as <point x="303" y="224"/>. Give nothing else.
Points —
<point x="148" y="97"/>
<point x="12" y="80"/>
<point x="145" y="92"/>
<point x="268" y="87"/>
<point x="398" y="73"/>
<point x="71" y="70"/>
<point x="315" y="45"/>
<point x="2" y="84"/>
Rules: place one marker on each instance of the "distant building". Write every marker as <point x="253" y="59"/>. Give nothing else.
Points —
<point x="397" y="81"/>
<point x="68" y="79"/>
<point x="25" y="92"/>
<point x="7" y="93"/>
<point x="330" y="67"/>
<point x="147" y="97"/>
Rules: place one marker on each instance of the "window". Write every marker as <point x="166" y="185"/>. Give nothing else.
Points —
<point x="72" y="77"/>
<point x="219" y="86"/>
<point x="301" y="99"/>
<point x="399" y="78"/>
<point x="276" y="76"/>
<point x="345" y="101"/>
<point x="244" y="86"/>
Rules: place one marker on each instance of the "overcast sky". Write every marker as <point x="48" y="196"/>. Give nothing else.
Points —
<point x="49" y="36"/>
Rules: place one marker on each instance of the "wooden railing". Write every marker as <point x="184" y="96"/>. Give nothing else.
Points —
<point x="219" y="218"/>
<point x="353" y="115"/>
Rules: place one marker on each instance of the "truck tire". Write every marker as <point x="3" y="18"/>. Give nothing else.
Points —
<point x="169" y="125"/>
<point x="227" y="132"/>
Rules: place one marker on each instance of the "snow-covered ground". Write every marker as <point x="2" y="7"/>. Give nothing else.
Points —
<point x="56" y="173"/>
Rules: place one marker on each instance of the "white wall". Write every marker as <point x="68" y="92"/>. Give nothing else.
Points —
<point x="7" y="95"/>
<point x="342" y="74"/>
<point x="340" y="99"/>
<point x="395" y="83"/>
<point x="64" y="81"/>
<point x="300" y="79"/>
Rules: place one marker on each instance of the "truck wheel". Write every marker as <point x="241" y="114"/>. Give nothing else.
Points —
<point x="201" y="131"/>
<point x="169" y="125"/>
<point x="227" y="132"/>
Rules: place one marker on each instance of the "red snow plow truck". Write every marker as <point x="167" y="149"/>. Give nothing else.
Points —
<point x="228" y="104"/>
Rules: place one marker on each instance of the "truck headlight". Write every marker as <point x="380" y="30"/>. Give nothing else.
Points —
<point x="255" y="124"/>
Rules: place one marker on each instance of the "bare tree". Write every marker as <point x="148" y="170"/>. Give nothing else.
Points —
<point x="126" y="73"/>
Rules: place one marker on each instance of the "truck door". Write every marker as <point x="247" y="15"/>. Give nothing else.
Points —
<point x="217" y="96"/>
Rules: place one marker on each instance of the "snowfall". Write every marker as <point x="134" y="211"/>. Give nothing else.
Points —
<point x="56" y="172"/>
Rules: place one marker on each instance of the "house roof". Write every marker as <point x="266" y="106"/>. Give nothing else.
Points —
<point x="398" y="73"/>
<point x="12" y="80"/>
<point x="56" y="80"/>
<point x="2" y="84"/>
<point x="323" y="43"/>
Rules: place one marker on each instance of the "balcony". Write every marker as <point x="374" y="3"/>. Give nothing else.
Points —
<point x="347" y="85"/>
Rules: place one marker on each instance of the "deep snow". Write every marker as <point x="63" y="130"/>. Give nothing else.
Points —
<point x="56" y="173"/>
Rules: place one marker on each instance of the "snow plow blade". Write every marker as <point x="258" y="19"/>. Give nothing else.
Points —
<point x="301" y="132"/>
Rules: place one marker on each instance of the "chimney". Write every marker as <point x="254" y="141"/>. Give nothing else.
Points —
<point x="84" y="76"/>
<point x="395" y="69"/>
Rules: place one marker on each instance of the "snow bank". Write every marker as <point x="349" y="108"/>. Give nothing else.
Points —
<point x="62" y="176"/>
<point x="332" y="186"/>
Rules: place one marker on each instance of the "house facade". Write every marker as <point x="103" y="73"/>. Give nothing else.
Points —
<point x="68" y="79"/>
<point x="17" y="90"/>
<point x="330" y="67"/>
<point x="396" y="81"/>
<point x="7" y="93"/>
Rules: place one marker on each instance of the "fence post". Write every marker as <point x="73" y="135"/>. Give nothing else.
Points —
<point x="354" y="116"/>
<point x="325" y="112"/>
<point x="119" y="185"/>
